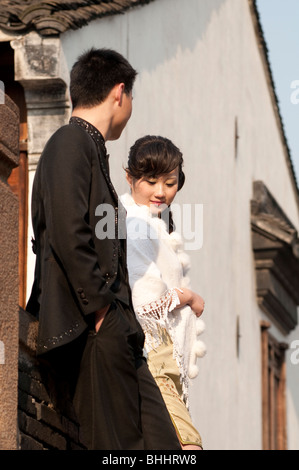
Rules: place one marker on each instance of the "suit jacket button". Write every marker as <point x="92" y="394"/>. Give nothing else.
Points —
<point x="80" y="290"/>
<point x="82" y="295"/>
<point x="85" y="301"/>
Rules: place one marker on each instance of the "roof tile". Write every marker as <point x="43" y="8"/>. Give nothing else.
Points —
<point x="53" y="17"/>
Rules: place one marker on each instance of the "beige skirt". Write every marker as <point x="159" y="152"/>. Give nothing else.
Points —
<point x="166" y="373"/>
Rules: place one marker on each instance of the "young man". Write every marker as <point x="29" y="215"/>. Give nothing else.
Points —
<point x="88" y="331"/>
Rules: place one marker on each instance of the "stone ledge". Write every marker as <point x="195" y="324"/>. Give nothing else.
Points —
<point x="275" y="246"/>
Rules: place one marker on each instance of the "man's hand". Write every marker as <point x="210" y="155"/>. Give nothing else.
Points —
<point x="99" y="317"/>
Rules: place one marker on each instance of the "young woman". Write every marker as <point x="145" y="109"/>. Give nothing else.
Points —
<point x="166" y="307"/>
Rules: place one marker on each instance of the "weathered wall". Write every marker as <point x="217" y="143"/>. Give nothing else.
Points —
<point x="9" y="292"/>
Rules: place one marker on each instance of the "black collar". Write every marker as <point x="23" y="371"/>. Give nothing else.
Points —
<point x="99" y="139"/>
<point x="92" y="131"/>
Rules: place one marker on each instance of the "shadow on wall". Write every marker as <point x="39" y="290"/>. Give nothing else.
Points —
<point x="163" y="31"/>
<point x="146" y="35"/>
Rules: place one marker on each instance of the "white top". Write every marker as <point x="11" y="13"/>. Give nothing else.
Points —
<point x="157" y="265"/>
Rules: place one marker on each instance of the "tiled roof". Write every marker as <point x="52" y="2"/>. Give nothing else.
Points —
<point x="53" y="17"/>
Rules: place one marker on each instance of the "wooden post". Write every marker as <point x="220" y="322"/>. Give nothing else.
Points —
<point x="265" y="390"/>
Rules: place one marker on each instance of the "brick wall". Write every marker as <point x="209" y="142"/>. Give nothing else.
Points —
<point x="40" y="426"/>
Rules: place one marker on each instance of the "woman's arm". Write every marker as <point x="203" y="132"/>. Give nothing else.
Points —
<point x="150" y="293"/>
<point x="151" y="296"/>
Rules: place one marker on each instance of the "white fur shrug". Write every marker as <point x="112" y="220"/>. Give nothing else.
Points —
<point x="157" y="265"/>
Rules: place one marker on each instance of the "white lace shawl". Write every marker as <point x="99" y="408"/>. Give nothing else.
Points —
<point x="158" y="266"/>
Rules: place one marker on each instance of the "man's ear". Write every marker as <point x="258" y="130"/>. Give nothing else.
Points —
<point x="119" y="91"/>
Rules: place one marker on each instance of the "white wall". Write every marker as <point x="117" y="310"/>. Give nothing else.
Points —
<point x="200" y="69"/>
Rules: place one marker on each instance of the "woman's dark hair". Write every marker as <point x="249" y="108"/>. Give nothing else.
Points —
<point x="152" y="156"/>
<point x="94" y="75"/>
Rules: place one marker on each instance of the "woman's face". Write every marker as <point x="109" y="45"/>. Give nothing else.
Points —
<point x="156" y="193"/>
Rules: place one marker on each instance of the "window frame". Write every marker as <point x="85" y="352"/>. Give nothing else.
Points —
<point x="274" y="421"/>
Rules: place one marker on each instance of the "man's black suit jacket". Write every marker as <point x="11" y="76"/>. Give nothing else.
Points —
<point x="76" y="273"/>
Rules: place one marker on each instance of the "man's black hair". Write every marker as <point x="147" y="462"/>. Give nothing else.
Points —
<point x="94" y="75"/>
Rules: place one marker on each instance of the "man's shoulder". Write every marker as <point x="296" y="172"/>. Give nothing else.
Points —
<point x="69" y="142"/>
<point x="69" y="139"/>
<point x="70" y="131"/>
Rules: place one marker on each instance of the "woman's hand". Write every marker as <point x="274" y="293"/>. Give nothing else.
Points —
<point x="195" y="301"/>
<point x="197" y="304"/>
<point x="99" y="317"/>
